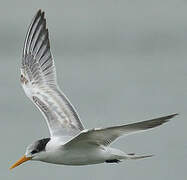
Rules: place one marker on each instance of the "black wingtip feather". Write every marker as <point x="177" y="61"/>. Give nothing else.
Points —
<point x="158" y="121"/>
<point x="38" y="14"/>
<point x="173" y="115"/>
<point x="42" y="14"/>
<point x="39" y="11"/>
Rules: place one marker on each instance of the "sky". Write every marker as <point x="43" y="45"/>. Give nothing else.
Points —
<point x="118" y="62"/>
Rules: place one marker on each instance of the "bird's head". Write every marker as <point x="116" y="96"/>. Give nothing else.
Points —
<point x="34" y="151"/>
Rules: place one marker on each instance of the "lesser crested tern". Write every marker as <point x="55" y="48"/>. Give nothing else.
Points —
<point x="69" y="142"/>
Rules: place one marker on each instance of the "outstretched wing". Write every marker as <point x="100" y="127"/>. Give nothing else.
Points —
<point x="106" y="136"/>
<point x="38" y="78"/>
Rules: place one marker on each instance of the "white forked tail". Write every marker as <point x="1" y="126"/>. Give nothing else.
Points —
<point x="133" y="156"/>
<point x="119" y="158"/>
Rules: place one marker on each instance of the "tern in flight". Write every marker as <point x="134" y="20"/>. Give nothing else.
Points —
<point x="69" y="142"/>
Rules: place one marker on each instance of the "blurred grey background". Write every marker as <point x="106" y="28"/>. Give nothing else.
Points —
<point x="118" y="61"/>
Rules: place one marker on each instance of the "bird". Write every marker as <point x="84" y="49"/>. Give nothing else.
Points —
<point x="70" y="143"/>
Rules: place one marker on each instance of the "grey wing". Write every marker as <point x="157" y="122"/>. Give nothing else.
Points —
<point x="38" y="79"/>
<point x="105" y="136"/>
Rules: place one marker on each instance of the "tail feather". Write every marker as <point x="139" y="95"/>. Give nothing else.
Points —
<point x="133" y="156"/>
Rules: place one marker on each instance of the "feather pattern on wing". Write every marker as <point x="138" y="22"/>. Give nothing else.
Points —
<point x="105" y="136"/>
<point x="38" y="78"/>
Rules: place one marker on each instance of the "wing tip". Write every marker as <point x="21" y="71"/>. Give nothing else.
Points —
<point x="176" y="114"/>
<point x="39" y="15"/>
<point x="160" y="121"/>
<point x="171" y="116"/>
<point x="40" y="12"/>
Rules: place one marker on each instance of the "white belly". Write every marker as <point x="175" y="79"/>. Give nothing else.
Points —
<point x="79" y="156"/>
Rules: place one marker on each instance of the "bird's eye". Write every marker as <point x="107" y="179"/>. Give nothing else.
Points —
<point x="34" y="151"/>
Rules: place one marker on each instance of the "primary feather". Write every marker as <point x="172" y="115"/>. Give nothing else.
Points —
<point x="38" y="78"/>
<point x="105" y="136"/>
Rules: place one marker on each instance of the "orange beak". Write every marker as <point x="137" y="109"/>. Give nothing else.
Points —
<point x="20" y="161"/>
